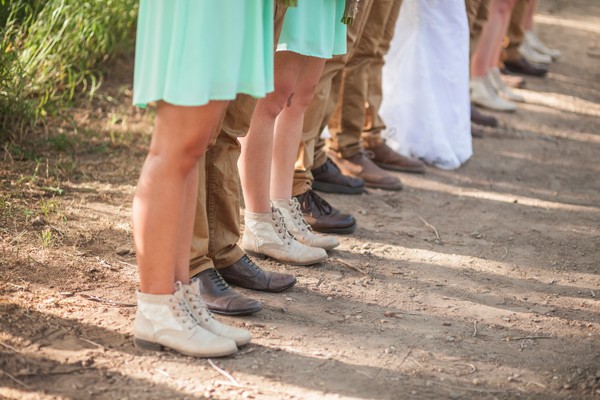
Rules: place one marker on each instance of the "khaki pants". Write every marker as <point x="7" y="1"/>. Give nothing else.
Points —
<point x="311" y="153"/>
<point x="516" y="33"/>
<point x="347" y="123"/>
<point x="477" y="13"/>
<point x="217" y="221"/>
<point x="374" y="124"/>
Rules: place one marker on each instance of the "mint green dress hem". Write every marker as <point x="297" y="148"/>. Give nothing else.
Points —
<point x="189" y="52"/>
<point x="314" y="29"/>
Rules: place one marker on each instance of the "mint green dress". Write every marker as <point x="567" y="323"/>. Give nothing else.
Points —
<point x="189" y="52"/>
<point x="314" y="28"/>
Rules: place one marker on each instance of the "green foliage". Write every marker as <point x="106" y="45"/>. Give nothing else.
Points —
<point x="53" y="50"/>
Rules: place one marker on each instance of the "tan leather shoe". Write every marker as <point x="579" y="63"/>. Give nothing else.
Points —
<point x="495" y="77"/>
<point x="485" y="95"/>
<point x="166" y="321"/>
<point x="361" y="166"/>
<point x="385" y="157"/>
<point x="266" y="235"/>
<point x="297" y="225"/>
<point x="204" y="318"/>
<point x="245" y="273"/>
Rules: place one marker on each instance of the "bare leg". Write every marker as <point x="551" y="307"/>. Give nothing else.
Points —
<point x="488" y="49"/>
<point x="288" y="128"/>
<point x="528" y="17"/>
<point x="167" y="183"/>
<point x="255" y="161"/>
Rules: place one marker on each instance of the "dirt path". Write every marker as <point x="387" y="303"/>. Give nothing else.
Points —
<point x="483" y="283"/>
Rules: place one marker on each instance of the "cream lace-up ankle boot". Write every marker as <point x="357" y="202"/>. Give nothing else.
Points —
<point x="297" y="225"/>
<point x="166" y="321"/>
<point x="266" y="235"/>
<point x="198" y="309"/>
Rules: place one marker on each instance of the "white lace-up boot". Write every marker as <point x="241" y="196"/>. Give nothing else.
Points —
<point x="483" y="94"/>
<point x="496" y="79"/>
<point x="165" y="320"/>
<point x="532" y="39"/>
<point x="204" y="318"/>
<point x="266" y="235"/>
<point x="532" y="55"/>
<point x="297" y="225"/>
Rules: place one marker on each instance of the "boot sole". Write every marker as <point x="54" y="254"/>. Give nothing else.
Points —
<point x="153" y="346"/>
<point x="384" y="187"/>
<point x="389" y="167"/>
<point x="261" y="256"/>
<point x="339" y="189"/>
<point x="340" y="231"/>
<point x="237" y="313"/>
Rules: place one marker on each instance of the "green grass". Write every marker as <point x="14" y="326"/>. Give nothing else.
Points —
<point x="54" y="51"/>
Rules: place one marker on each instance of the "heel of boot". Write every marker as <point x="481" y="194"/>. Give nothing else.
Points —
<point x="146" y="345"/>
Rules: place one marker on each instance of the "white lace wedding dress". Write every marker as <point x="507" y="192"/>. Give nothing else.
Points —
<point x="426" y="104"/>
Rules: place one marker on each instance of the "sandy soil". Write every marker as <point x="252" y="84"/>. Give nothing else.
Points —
<point x="482" y="283"/>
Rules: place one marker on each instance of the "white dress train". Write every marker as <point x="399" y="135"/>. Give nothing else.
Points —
<point x="426" y="104"/>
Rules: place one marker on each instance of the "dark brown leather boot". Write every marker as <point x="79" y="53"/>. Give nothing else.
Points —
<point x="322" y="217"/>
<point x="220" y="298"/>
<point x="245" y="273"/>
<point x="480" y="118"/>
<point x="329" y="178"/>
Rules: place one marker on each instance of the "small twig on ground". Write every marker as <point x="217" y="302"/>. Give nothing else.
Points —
<point x="16" y="380"/>
<point x="530" y="338"/>
<point x="9" y="347"/>
<point x="505" y="253"/>
<point x="126" y="263"/>
<point x="474" y="328"/>
<point x="354" y="267"/>
<point x="427" y="224"/>
<point x="92" y="342"/>
<point x="224" y="373"/>
<point x="321" y="280"/>
<point x="106" y="301"/>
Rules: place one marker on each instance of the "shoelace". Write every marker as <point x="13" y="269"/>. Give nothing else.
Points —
<point x="309" y="198"/>
<point x="251" y="263"/>
<point x="299" y="217"/>
<point x="218" y="280"/>
<point x="182" y="311"/>
<point x="199" y="305"/>
<point x="284" y="234"/>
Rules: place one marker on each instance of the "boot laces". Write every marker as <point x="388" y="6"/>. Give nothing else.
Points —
<point x="298" y="216"/>
<point x="218" y="280"/>
<point x="251" y="263"/>
<point x="182" y="312"/>
<point x="281" y="228"/>
<point x="198" y="304"/>
<point x="311" y="197"/>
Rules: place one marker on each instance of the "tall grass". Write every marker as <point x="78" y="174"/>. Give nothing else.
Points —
<point x="51" y="51"/>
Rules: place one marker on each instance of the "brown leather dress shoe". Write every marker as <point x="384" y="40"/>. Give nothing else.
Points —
<point x="329" y="178"/>
<point x="245" y="273"/>
<point x="385" y="157"/>
<point x="220" y="298"/>
<point x="522" y="66"/>
<point x="361" y="166"/>
<point x="322" y="217"/>
<point x="480" y="118"/>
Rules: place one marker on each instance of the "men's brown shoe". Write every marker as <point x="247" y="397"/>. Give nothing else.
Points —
<point x="329" y="178"/>
<point x="322" y="217"/>
<point x="385" y="157"/>
<point x="479" y="118"/>
<point x="245" y="273"/>
<point x="361" y="166"/>
<point x="220" y="298"/>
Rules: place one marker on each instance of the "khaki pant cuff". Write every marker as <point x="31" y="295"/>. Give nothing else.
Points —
<point x="196" y="269"/>
<point x="225" y="262"/>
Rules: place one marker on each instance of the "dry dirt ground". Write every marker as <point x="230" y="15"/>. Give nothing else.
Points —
<point x="482" y="283"/>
